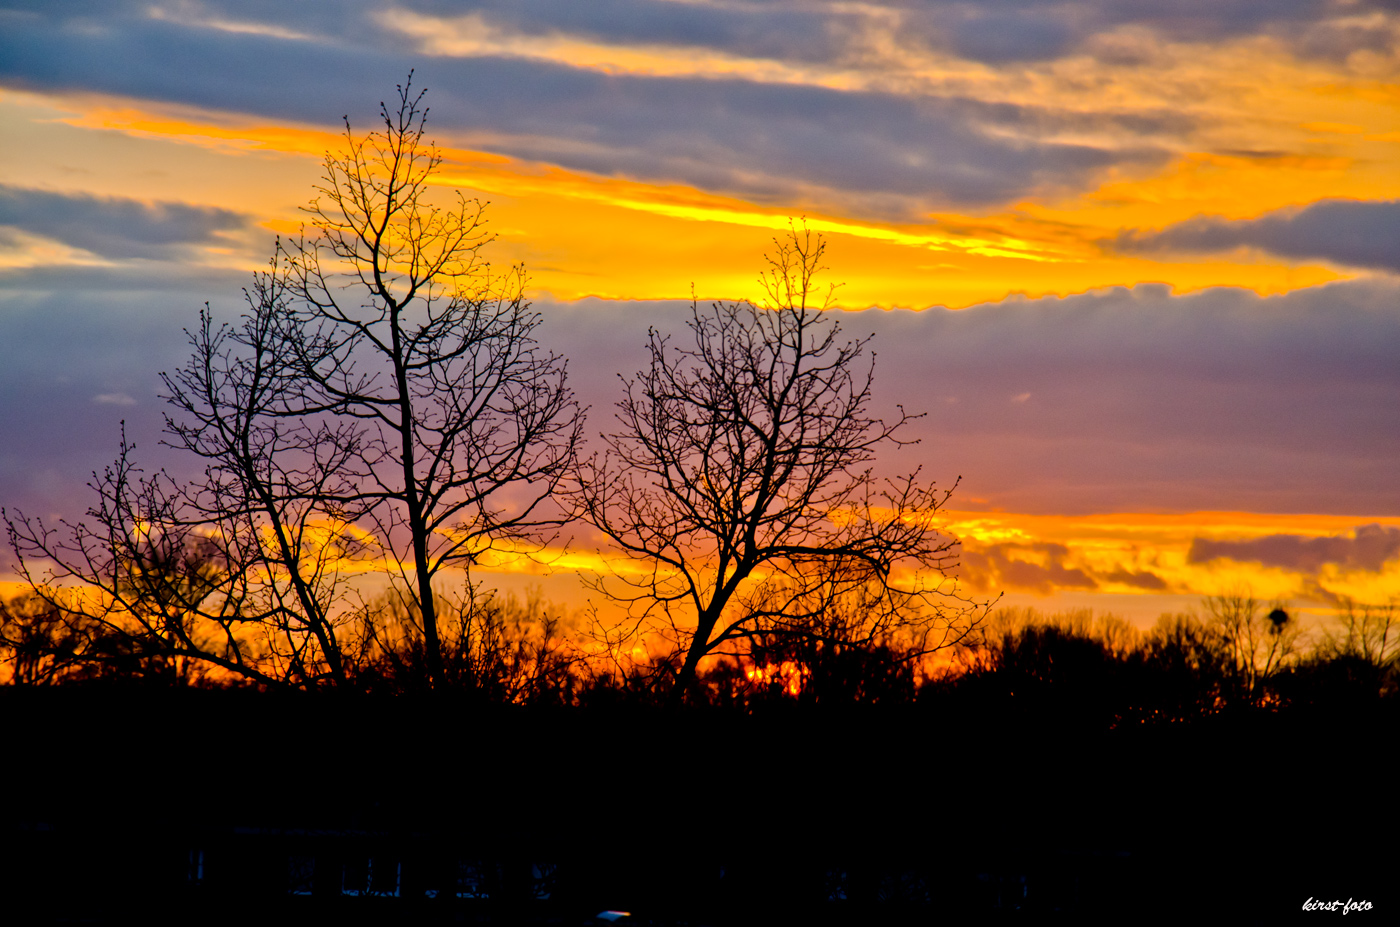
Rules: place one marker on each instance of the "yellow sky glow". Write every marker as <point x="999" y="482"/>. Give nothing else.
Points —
<point x="582" y="235"/>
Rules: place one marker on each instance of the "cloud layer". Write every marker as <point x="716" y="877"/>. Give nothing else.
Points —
<point x="1138" y="399"/>
<point x="766" y="141"/>
<point x="116" y="228"/>
<point x="1124" y="399"/>
<point x="1354" y="233"/>
<point x="1368" y="547"/>
<point x="851" y="115"/>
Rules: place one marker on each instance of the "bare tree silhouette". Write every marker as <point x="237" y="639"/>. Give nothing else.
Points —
<point x="42" y="644"/>
<point x="500" y="648"/>
<point x="738" y="484"/>
<point x="1258" y="643"/>
<point x="1359" y="653"/>
<point x="382" y="404"/>
<point x="150" y="580"/>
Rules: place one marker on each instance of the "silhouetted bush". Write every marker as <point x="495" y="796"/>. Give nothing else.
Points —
<point x="495" y="648"/>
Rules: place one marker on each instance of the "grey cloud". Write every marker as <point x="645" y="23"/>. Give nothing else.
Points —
<point x="761" y="140"/>
<point x="1367" y="548"/>
<point x="1000" y="31"/>
<point x="74" y="348"/>
<point x="784" y="32"/>
<point x="1149" y="581"/>
<point x="114" y="227"/>
<point x="991" y="34"/>
<point x="1140" y="398"/>
<point x="1284" y="403"/>
<point x="991" y="31"/>
<point x="184" y="279"/>
<point x="996" y="565"/>
<point x="1357" y="233"/>
<point x="1338" y="41"/>
<point x="1040" y="568"/>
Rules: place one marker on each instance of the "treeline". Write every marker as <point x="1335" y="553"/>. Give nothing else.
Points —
<point x="500" y="648"/>
<point x="1099" y="670"/>
<point x="1235" y="654"/>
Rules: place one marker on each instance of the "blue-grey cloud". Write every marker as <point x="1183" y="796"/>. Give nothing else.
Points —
<point x="1010" y="30"/>
<point x="80" y="350"/>
<point x="1284" y="403"/>
<point x="1135" y="399"/>
<point x="1039" y="567"/>
<point x="996" y="566"/>
<point x="772" y="141"/>
<point x="1355" y="233"/>
<point x="1130" y="399"/>
<point x="767" y="141"/>
<point x="1367" y="547"/>
<point x="784" y="32"/>
<point x="990" y="31"/>
<point x="114" y="227"/>
<point x="884" y="154"/>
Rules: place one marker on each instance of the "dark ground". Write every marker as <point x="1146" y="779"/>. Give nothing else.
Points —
<point x="908" y="815"/>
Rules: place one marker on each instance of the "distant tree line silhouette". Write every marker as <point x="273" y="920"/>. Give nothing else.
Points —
<point x="1097" y="671"/>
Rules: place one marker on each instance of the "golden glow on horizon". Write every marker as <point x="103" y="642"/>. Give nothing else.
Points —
<point x="1123" y="552"/>
<point x="787" y="674"/>
<point x="1118" y="550"/>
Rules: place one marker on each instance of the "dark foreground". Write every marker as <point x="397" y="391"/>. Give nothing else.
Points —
<point x="226" y="807"/>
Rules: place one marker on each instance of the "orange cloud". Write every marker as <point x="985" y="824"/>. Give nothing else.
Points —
<point x="1199" y="553"/>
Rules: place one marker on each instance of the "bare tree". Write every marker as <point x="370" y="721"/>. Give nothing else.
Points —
<point x="235" y="570"/>
<point x="1363" y="643"/>
<point x="466" y="428"/>
<point x="42" y="644"/>
<point x="383" y="404"/>
<point x="1258" y="639"/>
<point x="505" y="650"/>
<point x="738" y="484"/>
<point x="1368" y="631"/>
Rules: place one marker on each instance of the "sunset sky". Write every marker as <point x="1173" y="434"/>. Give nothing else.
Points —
<point x="1138" y="262"/>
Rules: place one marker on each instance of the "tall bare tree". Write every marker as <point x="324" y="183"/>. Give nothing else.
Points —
<point x="739" y="486"/>
<point x="467" y="428"/>
<point x="383" y="404"/>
